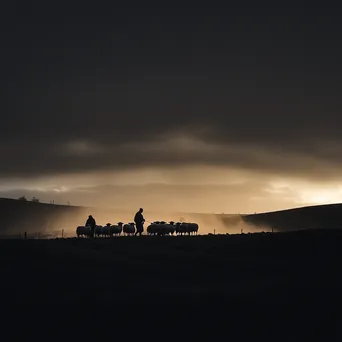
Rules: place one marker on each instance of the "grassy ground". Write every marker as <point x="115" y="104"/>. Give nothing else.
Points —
<point x="276" y="287"/>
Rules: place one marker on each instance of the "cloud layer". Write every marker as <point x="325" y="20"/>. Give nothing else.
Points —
<point x="168" y="88"/>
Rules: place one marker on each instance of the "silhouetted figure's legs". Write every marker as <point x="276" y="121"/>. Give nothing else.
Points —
<point x="140" y="229"/>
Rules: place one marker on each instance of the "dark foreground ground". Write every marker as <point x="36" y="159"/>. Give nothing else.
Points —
<point x="257" y="287"/>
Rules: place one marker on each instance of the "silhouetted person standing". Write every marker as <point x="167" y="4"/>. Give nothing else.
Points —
<point x="92" y="223"/>
<point x="139" y="222"/>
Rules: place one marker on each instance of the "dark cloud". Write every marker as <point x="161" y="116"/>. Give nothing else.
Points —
<point x="262" y="85"/>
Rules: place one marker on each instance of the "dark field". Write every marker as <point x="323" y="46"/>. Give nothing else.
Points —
<point x="254" y="287"/>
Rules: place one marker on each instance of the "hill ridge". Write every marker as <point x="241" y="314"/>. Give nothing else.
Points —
<point x="19" y="216"/>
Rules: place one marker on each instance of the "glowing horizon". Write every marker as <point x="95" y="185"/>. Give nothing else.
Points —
<point x="189" y="189"/>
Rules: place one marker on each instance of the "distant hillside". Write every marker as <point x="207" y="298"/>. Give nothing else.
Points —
<point x="18" y="216"/>
<point x="313" y="217"/>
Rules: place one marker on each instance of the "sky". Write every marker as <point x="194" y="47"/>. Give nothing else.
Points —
<point x="202" y="109"/>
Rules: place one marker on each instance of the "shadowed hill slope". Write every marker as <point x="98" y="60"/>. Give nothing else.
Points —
<point x="314" y="217"/>
<point x="18" y="216"/>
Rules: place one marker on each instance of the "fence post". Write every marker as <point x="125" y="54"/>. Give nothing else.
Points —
<point x="214" y="232"/>
<point x="25" y="235"/>
<point x="62" y="233"/>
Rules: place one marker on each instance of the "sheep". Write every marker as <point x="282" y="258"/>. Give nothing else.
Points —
<point x="186" y="228"/>
<point x="154" y="228"/>
<point x="99" y="231"/>
<point x="192" y="228"/>
<point x="116" y="229"/>
<point x="181" y="228"/>
<point x="83" y="231"/>
<point x="161" y="228"/>
<point x="128" y="229"/>
<point x="169" y="228"/>
<point x="172" y="227"/>
<point x="106" y="230"/>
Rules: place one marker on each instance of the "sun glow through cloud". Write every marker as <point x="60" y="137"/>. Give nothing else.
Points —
<point x="322" y="196"/>
<point x="195" y="189"/>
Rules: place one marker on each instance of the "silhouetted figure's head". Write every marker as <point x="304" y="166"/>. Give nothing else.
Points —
<point x="141" y="210"/>
<point x="90" y="216"/>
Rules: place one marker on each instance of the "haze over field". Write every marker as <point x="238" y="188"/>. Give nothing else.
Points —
<point x="47" y="220"/>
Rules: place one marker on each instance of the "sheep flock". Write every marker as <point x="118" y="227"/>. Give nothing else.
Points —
<point x="158" y="228"/>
